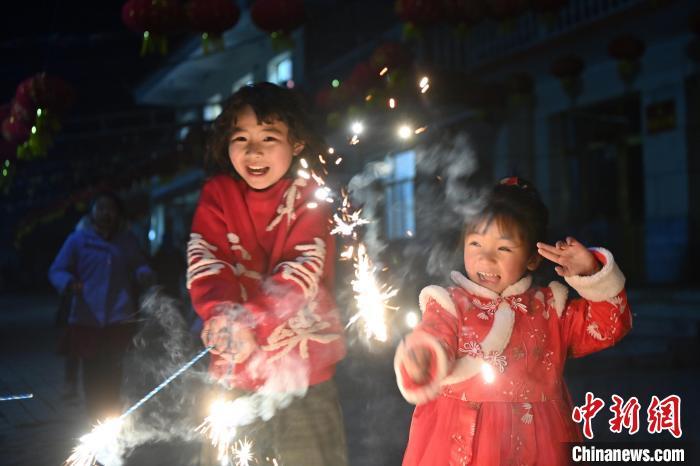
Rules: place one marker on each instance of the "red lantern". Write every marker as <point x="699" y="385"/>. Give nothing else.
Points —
<point x="360" y="78"/>
<point x="568" y="69"/>
<point x="627" y="50"/>
<point x="277" y="15"/>
<point x="154" y="19"/>
<point x="390" y="55"/>
<point x="418" y="12"/>
<point x="44" y="91"/>
<point x="569" y="66"/>
<point x="212" y="17"/>
<point x="16" y="130"/>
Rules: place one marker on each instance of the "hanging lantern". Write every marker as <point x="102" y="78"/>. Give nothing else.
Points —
<point x="463" y="14"/>
<point x="278" y="18"/>
<point x="627" y="50"/>
<point x="360" y="79"/>
<point x="568" y="70"/>
<point x="9" y="134"/>
<point x="211" y="18"/>
<point x="521" y="87"/>
<point x="39" y="102"/>
<point x="154" y="19"/>
<point x="44" y="91"/>
<point x="390" y="55"/>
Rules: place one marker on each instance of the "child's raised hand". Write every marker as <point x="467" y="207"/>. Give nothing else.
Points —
<point x="232" y="341"/>
<point x="417" y="364"/>
<point x="571" y="256"/>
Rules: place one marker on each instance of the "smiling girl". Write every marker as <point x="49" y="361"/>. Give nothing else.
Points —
<point x="485" y="365"/>
<point x="260" y="274"/>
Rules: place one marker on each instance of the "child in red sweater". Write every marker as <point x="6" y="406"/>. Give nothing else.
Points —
<point x="260" y="274"/>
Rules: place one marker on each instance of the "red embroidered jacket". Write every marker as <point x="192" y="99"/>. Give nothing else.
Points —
<point x="271" y="252"/>
<point x="513" y="346"/>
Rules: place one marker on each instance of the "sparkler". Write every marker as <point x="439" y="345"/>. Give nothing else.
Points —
<point x="221" y="426"/>
<point x="243" y="453"/>
<point x="19" y="396"/>
<point x="371" y="298"/>
<point x="346" y="224"/>
<point x="104" y="434"/>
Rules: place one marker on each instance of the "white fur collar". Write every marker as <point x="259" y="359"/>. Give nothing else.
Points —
<point x="519" y="287"/>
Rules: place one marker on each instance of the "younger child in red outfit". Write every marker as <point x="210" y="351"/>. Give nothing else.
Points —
<point x="260" y="274"/>
<point x="485" y="365"/>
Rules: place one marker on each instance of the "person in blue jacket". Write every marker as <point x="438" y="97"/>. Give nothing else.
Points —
<point x="101" y="266"/>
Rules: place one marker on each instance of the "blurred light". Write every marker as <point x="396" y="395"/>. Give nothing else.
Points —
<point x="424" y="89"/>
<point x="354" y="140"/>
<point x="304" y="174"/>
<point x="331" y="150"/>
<point x="384" y="71"/>
<point x="405" y="132"/>
<point x="312" y="205"/>
<point x="322" y="193"/>
<point x="392" y="103"/>
<point x="487" y="372"/>
<point x="423" y="82"/>
<point x="368" y="97"/>
<point x="7" y="163"/>
<point x="357" y="127"/>
<point x="304" y="163"/>
<point x="420" y="130"/>
<point x="4" y="172"/>
<point x="33" y="129"/>
<point x="38" y="112"/>
<point x="338" y="160"/>
<point x="411" y="319"/>
<point x="409" y="233"/>
<point x="335" y="83"/>
<point x="290" y="84"/>
<point x="151" y="235"/>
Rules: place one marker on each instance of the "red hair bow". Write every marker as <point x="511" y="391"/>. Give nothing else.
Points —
<point x="510" y="181"/>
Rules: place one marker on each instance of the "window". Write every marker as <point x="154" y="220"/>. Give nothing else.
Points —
<point x="279" y="69"/>
<point x="398" y="190"/>
<point x="213" y="108"/>
<point x="242" y="81"/>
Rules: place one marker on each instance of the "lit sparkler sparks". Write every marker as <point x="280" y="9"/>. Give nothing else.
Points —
<point x="103" y="435"/>
<point x="98" y="440"/>
<point x="221" y="426"/>
<point x="371" y="298"/>
<point x="243" y="452"/>
<point x="346" y="224"/>
<point x="487" y="372"/>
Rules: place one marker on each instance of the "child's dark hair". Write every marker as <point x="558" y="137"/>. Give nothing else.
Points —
<point x="516" y="206"/>
<point x="269" y="102"/>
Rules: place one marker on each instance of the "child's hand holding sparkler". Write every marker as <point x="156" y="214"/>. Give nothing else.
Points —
<point x="229" y="337"/>
<point x="417" y="364"/>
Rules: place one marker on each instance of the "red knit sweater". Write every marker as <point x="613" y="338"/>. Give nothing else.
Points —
<point x="270" y="251"/>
